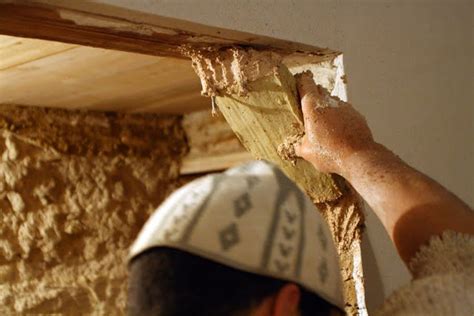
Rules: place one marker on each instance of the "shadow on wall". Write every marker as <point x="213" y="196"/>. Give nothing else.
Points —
<point x="374" y="289"/>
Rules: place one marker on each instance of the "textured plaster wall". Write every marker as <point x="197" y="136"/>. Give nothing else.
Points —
<point x="75" y="188"/>
<point x="409" y="66"/>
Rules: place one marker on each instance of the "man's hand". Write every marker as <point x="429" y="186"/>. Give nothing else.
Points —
<point x="334" y="129"/>
<point x="411" y="206"/>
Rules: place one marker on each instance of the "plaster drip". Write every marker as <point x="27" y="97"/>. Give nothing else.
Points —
<point x="229" y="70"/>
<point x="358" y="276"/>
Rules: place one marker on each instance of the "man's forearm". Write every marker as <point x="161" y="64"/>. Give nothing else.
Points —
<point x="411" y="206"/>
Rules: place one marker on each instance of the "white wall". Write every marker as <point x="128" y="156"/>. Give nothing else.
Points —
<point x="410" y="70"/>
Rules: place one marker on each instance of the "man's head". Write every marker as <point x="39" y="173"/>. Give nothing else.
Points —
<point x="169" y="282"/>
<point x="245" y="239"/>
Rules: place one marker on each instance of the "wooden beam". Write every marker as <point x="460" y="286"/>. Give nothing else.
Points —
<point x="213" y="163"/>
<point x="213" y="145"/>
<point x="106" y="26"/>
<point x="94" y="78"/>
<point x="264" y="118"/>
<point x="47" y="23"/>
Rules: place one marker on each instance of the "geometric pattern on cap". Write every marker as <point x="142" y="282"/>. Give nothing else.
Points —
<point x="232" y="218"/>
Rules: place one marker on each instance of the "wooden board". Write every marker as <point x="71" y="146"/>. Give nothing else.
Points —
<point x="108" y="26"/>
<point x="52" y="74"/>
<point x="213" y="145"/>
<point x="264" y="118"/>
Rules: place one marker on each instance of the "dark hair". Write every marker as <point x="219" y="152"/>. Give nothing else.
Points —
<point x="170" y="282"/>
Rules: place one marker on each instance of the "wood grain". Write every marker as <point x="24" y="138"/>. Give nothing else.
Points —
<point x="53" y="74"/>
<point x="264" y="118"/>
<point x="15" y="51"/>
<point x="99" y="25"/>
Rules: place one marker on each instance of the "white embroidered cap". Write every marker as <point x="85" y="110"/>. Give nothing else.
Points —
<point x="251" y="218"/>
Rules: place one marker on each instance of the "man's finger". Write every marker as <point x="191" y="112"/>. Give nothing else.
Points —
<point x="309" y="95"/>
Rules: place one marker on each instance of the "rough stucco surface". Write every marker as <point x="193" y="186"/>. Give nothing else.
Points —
<point x="75" y="188"/>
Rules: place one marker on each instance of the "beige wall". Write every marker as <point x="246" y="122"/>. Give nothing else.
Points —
<point x="410" y="69"/>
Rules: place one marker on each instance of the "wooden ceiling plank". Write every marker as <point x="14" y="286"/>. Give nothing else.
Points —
<point x="93" y="78"/>
<point x="15" y="51"/>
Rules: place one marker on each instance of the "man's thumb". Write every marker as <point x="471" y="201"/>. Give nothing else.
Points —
<point x="308" y="92"/>
<point x="309" y="95"/>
